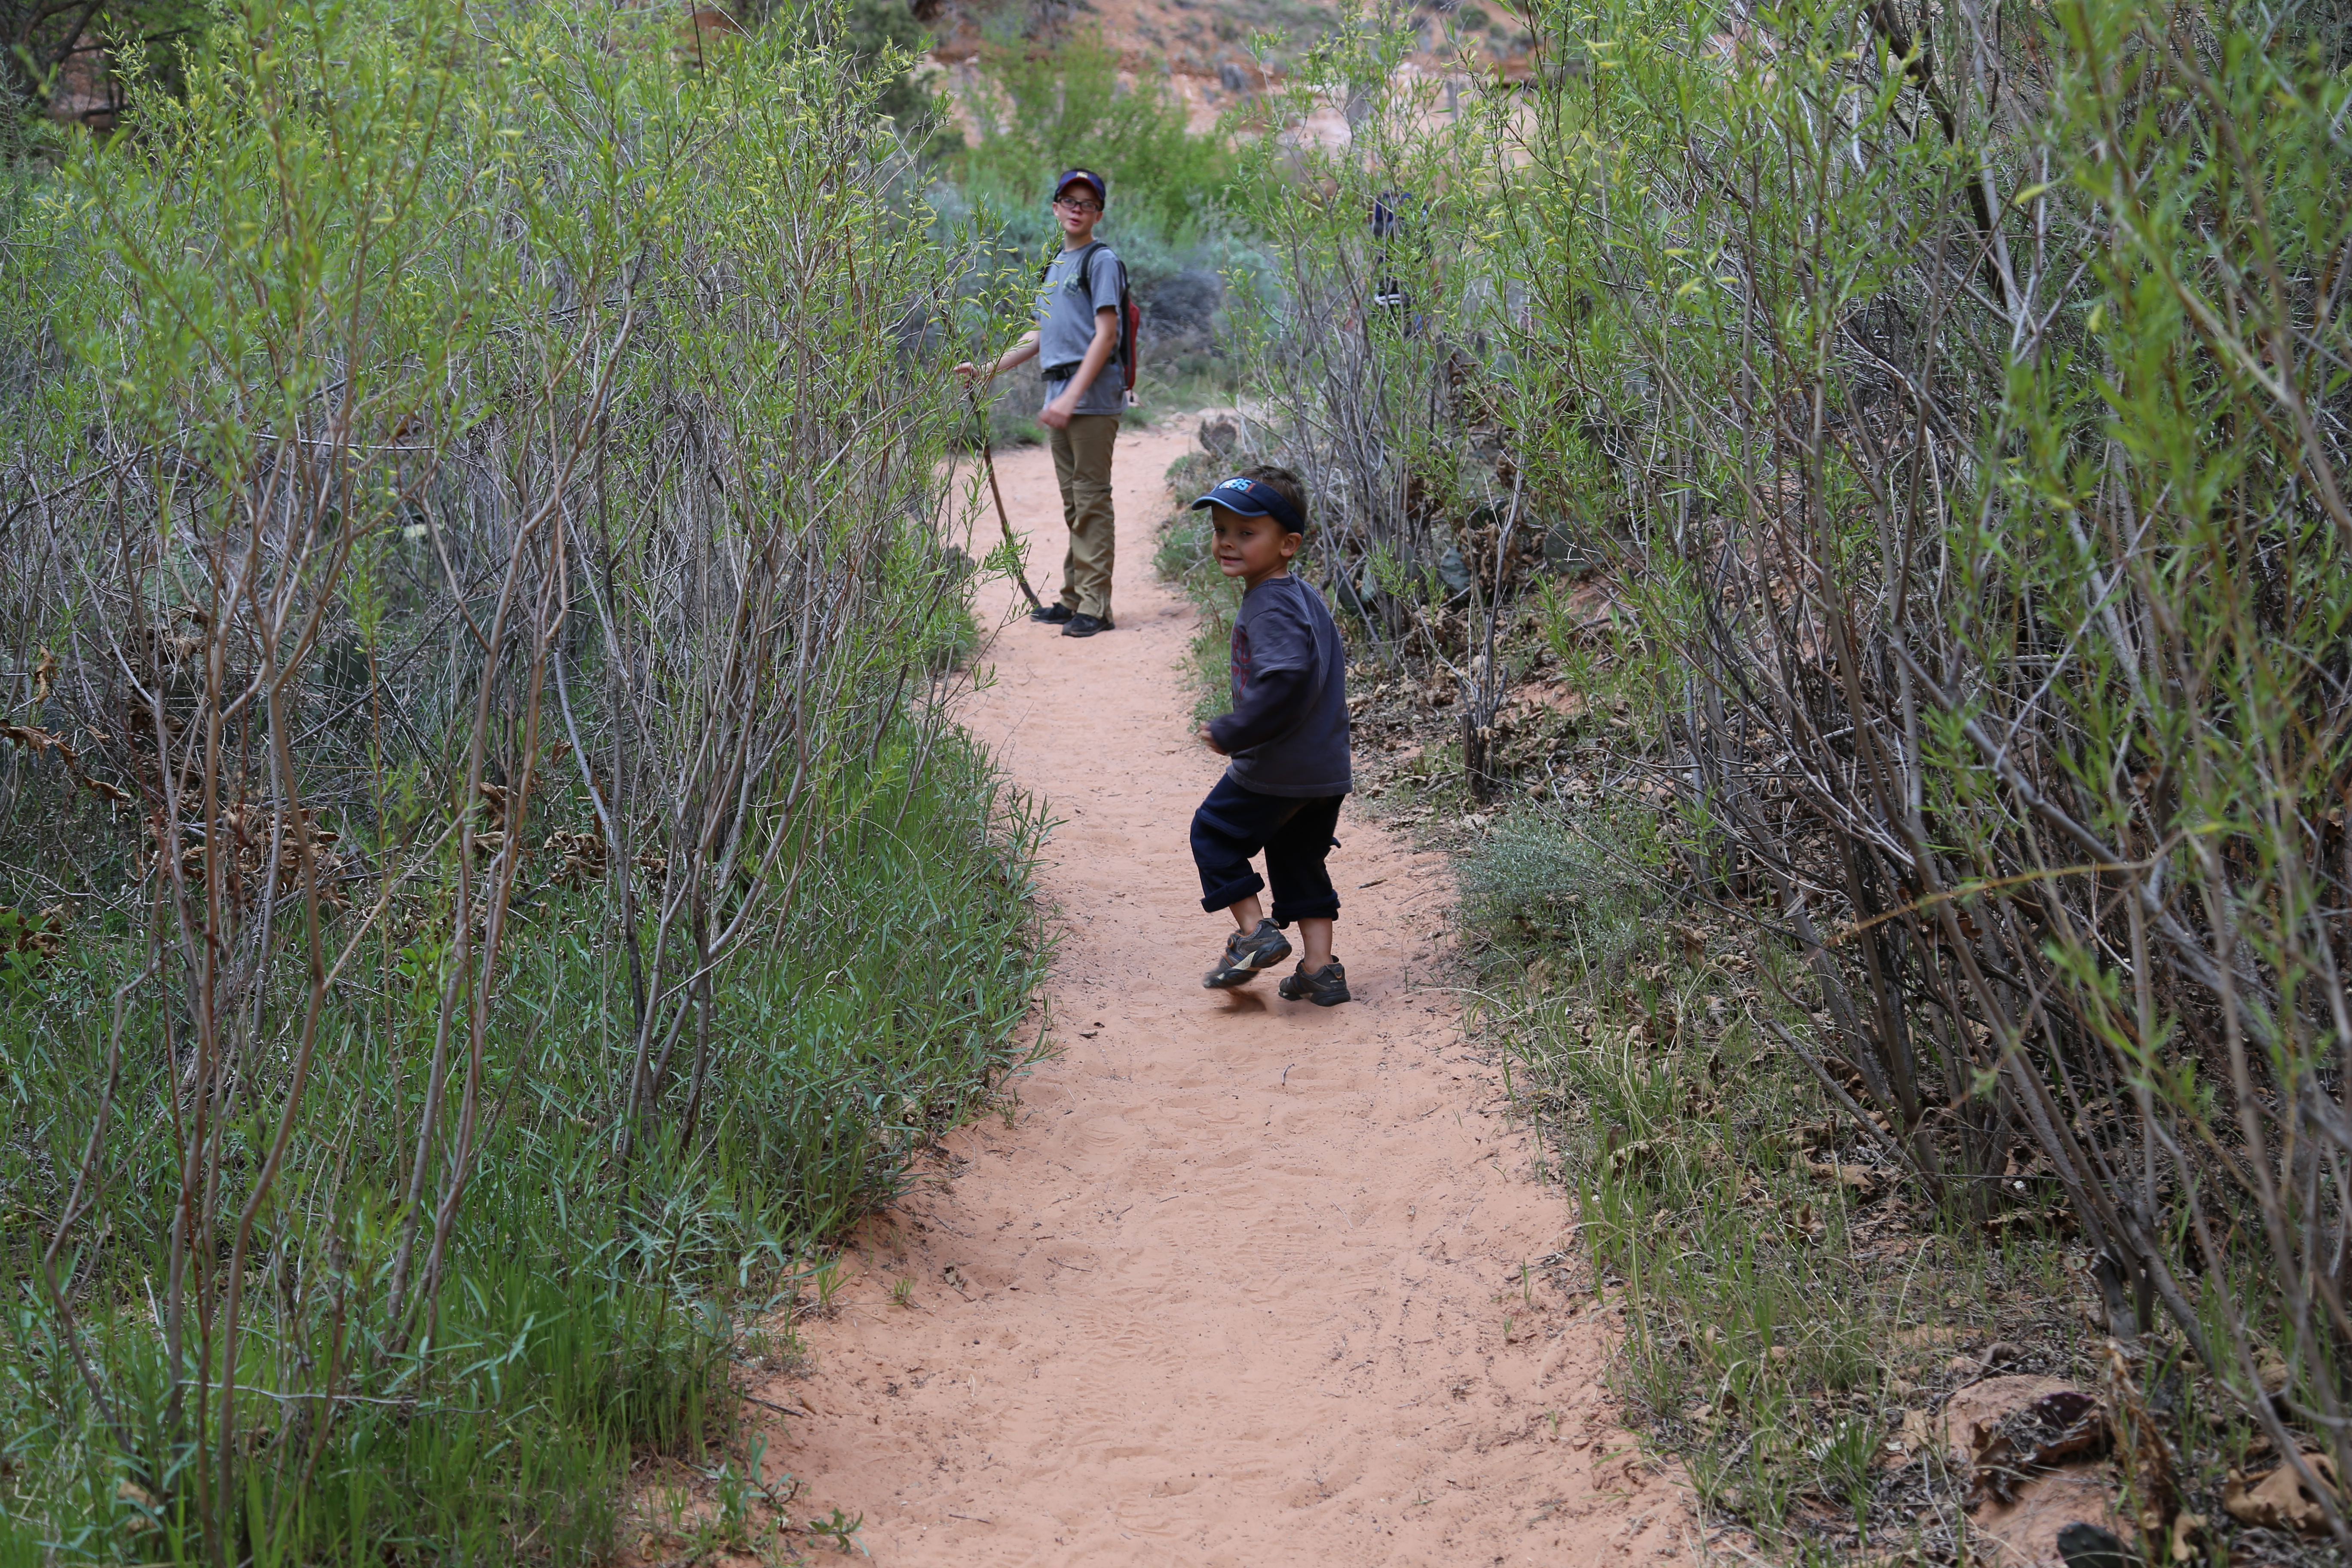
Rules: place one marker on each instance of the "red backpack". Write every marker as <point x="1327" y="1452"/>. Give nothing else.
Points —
<point x="1131" y="315"/>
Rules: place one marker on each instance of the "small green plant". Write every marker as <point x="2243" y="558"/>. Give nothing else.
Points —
<point x="1550" y="879"/>
<point x="770" y="1346"/>
<point x="902" y="1292"/>
<point x="840" y="1528"/>
<point x="827" y="1278"/>
<point x="734" y="1504"/>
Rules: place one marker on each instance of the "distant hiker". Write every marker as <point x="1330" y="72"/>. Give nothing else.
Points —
<point x="1287" y="737"/>
<point x="1078" y="335"/>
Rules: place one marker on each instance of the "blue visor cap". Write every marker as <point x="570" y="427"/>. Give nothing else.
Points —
<point x="1254" y="498"/>
<point x="1101" y="183"/>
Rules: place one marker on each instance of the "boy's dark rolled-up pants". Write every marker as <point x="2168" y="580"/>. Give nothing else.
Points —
<point x="1235" y="824"/>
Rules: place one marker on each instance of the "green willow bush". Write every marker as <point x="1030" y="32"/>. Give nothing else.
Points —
<point x="494" y="880"/>
<point x="1982" y="467"/>
<point x="1962" y="396"/>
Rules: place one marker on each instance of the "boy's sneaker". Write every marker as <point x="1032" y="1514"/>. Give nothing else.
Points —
<point x="1246" y="952"/>
<point x="1052" y="614"/>
<point x="1327" y="987"/>
<point x="1085" y="626"/>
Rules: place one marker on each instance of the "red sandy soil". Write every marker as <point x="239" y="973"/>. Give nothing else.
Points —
<point x="1241" y="1283"/>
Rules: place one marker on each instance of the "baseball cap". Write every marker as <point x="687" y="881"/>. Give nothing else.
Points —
<point x="1252" y="497"/>
<point x="1101" y="184"/>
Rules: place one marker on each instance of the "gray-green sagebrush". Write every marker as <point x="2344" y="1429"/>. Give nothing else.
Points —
<point x="477" y="587"/>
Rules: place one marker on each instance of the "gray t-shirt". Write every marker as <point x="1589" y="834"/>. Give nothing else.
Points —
<point x="1066" y="304"/>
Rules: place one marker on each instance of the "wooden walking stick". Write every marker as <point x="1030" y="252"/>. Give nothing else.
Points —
<point x="1012" y="546"/>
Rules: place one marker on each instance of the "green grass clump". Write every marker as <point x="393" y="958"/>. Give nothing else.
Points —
<point x="1539" y="881"/>
<point x="1794" y="1312"/>
<point x="1184" y="560"/>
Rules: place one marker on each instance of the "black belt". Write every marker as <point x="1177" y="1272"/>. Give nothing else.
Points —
<point x="1062" y="372"/>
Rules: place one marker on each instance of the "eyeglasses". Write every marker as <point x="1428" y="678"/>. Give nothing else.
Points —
<point x="1078" y="206"/>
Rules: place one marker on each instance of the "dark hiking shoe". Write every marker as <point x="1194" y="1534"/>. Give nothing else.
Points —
<point x="1246" y="952"/>
<point x="1327" y="987"/>
<point x="1085" y="626"/>
<point x="1052" y="614"/>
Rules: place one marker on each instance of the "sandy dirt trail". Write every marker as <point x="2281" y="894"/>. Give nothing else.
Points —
<point x="1242" y="1283"/>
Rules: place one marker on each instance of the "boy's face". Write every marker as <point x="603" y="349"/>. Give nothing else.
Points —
<point x="1077" y="209"/>
<point x="1251" y="548"/>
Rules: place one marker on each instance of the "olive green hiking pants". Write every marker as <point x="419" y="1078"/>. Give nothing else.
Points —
<point x="1082" y="465"/>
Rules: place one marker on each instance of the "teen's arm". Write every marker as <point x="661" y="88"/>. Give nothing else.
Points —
<point x="1021" y="353"/>
<point x="1057" y="413"/>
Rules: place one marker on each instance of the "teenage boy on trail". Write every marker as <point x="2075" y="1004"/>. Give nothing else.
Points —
<point x="1287" y="737"/>
<point x="1078" y="337"/>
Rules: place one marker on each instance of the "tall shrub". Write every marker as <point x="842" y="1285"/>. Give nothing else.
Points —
<point x="475" y="776"/>
<point x="1968" y="407"/>
<point x="1959" y="396"/>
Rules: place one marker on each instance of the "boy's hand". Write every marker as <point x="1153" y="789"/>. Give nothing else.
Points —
<point x="1209" y="738"/>
<point x="969" y="372"/>
<point x="1057" y="413"/>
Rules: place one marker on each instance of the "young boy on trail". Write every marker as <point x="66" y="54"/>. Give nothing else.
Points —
<point x="1077" y="336"/>
<point x="1287" y="737"/>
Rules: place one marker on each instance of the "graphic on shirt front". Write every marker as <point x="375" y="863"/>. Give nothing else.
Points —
<point x="1241" y="662"/>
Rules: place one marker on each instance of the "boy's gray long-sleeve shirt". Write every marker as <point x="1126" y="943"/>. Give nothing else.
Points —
<point x="1288" y="734"/>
